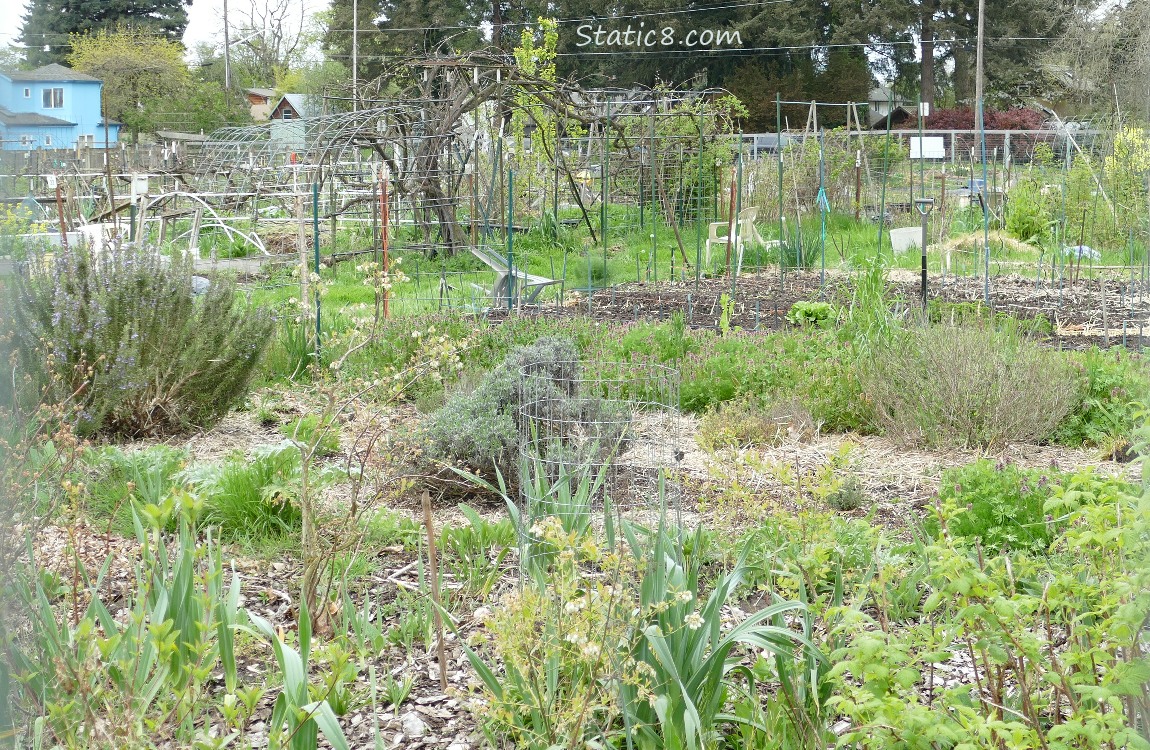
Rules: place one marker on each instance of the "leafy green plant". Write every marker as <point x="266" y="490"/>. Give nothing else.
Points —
<point x="416" y="624"/>
<point x="811" y="314"/>
<point x="298" y="714"/>
<point x="998" y="506"/>
<point x="397" y="690"/>
<point x="121" y="339"/>
<point x="151" y="670"/>
<point x="1115" y="387"/>
<point x="366" y="627"/>
<point x="476" y="551"/>
<point x="1052" y="641"/>
<point x="686" y="652"/>
<point x="252" y="497"/>
<point x="556" y="641"/>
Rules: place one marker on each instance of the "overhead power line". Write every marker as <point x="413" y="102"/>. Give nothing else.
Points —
<point x="743" y="50"/>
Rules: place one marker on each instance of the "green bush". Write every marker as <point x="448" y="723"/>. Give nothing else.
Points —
<point x="849" y="495"/>
<point x="1029" y="213"/>
<point x="998" y="505"/>
<point x="667" y="342"/>
<point x="956" y="386"/>
<point x="1058" y="638"/>
<point x="121" y="340"/>
<point x="1116" y="389"/>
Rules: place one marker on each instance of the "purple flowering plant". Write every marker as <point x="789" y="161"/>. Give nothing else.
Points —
<point x="121" y="337"/>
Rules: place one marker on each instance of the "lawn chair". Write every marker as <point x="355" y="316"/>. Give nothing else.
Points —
<point x="526" y="287"/>
<point x="746" y="233"/>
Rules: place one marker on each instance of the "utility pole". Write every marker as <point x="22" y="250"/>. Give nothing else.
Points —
<point x="978" y="91"/>
<point x="981" y="114"/>
<point x="227" y="52"/>
<point x="354" y="55"/>
<point x="496" y="22"/>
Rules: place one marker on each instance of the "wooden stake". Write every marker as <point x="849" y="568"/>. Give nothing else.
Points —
<point x="60" y="213"/>
<point x="732" y="223"/>
<point x="433" y="572"/>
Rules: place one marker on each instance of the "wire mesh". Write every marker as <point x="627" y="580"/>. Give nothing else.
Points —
<point x="594" y="443"/>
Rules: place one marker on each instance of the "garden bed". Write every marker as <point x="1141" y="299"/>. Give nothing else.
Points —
<point x="1076" y="315"/>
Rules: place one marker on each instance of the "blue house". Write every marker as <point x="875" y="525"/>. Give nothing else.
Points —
<point x="52" y="107"/>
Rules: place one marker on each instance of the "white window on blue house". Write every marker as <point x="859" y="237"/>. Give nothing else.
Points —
<point x="53" y="98"/>
<point x="26" y="141"/>
<point x="27" y="92"/>
<point x="47" y="140"/>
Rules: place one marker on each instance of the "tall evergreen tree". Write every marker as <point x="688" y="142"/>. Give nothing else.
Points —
<point x="1018" y="33"/>
<point x="47" y="24"/>
<point x="398" y="28"/>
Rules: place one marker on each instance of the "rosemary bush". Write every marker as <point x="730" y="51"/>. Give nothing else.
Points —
<point x="121" y="338"/>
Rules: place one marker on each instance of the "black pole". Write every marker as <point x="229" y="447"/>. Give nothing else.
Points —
<point x="924" y="206"/>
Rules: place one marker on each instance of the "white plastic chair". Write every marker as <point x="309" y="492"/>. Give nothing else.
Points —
<point x="745" y="230"/>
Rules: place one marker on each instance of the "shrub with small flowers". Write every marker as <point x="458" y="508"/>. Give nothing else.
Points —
<point x="609" y="641"/>
<point x="558" y="649"/>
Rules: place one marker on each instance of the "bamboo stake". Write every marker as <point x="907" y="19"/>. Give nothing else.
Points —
<point x="433" y="571"/>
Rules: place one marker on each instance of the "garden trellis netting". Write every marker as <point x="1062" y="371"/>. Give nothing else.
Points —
<point x="505" y="194"/>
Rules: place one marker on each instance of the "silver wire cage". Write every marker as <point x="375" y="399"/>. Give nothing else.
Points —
<point x="595" y="443"/>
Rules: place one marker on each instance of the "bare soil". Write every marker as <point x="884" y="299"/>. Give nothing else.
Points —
<point x="1104" y="312"/>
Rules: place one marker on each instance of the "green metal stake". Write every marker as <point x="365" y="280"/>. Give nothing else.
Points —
<point x="654" y="205"/>
<point x="606" y="183"/>
<point x="985" y="206"/>
<point x="779" y="151"/>
<point x="738" y="212"/>
<point x="510" y="238"/>
<point x="315" y="249"/>
<point x="699" y="207"/>
<point x="824" y="206"/>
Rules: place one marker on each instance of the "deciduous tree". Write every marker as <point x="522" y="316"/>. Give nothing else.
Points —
<point x="143" y="73"/>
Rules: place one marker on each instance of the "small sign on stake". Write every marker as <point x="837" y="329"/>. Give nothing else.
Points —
<point x="928" y="147"/>
<point x="139" y="187"/>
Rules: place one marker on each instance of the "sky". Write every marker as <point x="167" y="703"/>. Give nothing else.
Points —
<point x="205" y="20"/>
